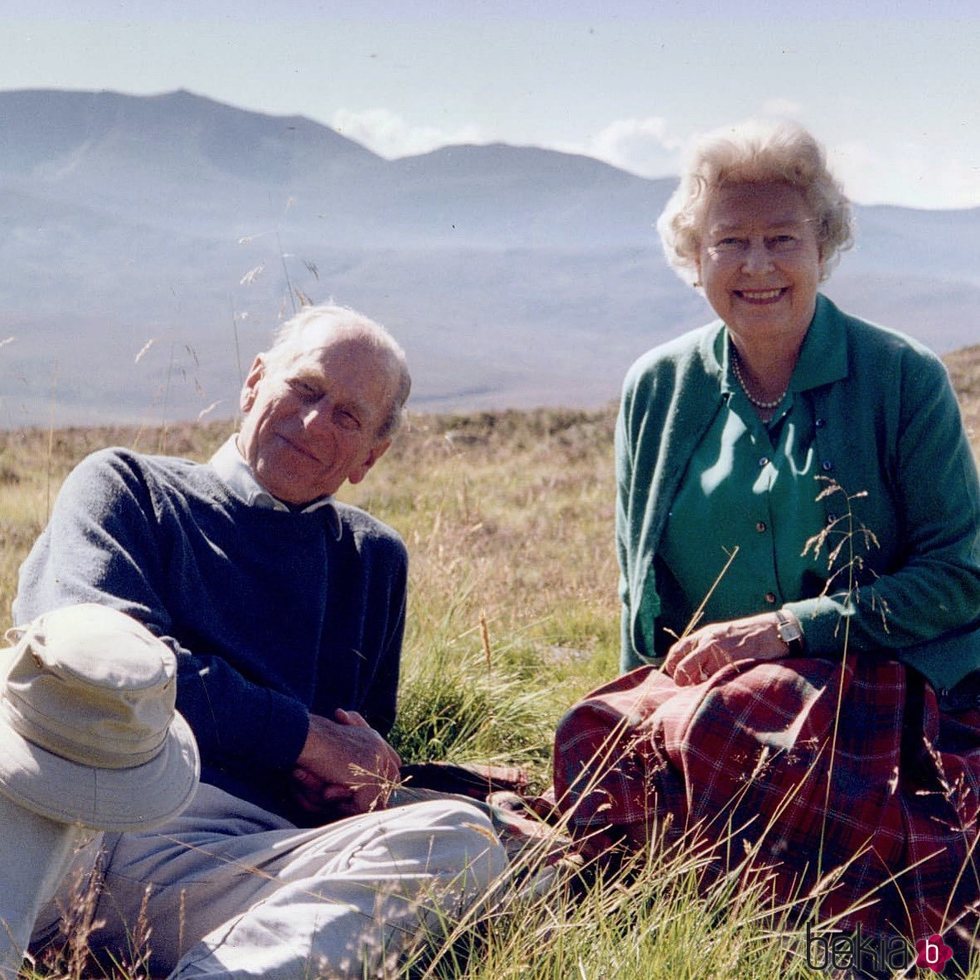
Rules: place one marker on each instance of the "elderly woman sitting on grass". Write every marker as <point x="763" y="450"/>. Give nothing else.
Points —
<point x="798" y="526"/>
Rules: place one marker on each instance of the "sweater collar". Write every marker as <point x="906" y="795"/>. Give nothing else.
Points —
<point x="823" y="356"/>
<point x="232" y="469"/>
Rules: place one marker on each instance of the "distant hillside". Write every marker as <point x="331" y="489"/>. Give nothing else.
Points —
<point x="175" y="226"/>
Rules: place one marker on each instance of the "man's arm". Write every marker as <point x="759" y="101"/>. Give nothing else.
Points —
<point x="345" y="765"/>
<point x="105" y="543"/>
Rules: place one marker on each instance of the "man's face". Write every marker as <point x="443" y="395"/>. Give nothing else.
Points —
<point x="311" y="420"/>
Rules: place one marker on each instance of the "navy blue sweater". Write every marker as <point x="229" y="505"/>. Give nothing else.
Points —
<point x="272" y="614"/>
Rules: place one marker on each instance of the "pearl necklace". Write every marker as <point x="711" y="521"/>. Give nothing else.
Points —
<point x="758" y="403"/>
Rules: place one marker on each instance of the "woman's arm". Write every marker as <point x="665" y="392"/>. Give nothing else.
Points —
<point x="933" y="584"/>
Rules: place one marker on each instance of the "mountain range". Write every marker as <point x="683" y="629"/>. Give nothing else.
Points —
<point x="151" y="244"/>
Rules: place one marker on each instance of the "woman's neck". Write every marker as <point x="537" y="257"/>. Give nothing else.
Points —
<point x="764" y="372"/>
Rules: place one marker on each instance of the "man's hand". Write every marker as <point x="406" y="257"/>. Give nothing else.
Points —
<point x="696" y="657"/>
<point x="345" y="767"/>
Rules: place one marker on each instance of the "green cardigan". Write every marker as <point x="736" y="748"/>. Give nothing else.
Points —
<point x="888" y="434"/>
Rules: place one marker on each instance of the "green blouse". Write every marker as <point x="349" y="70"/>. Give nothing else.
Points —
<point x="735" y="536"/>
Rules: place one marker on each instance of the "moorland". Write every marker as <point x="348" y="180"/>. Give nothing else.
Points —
<point x="508" y="518"/>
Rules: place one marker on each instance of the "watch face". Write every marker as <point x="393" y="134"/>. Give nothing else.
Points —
<point x="788" y="630"/>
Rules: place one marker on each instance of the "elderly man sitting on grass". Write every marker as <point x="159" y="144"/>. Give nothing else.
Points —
<point x="285" y="610"/>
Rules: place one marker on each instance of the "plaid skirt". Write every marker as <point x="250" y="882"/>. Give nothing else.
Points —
<point x="842" y="780"/>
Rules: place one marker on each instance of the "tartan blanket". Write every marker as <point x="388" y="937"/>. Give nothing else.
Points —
<point x="811" y="767"/>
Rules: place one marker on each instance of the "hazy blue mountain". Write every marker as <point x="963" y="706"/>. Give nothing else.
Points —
<point x="149" y="245"/>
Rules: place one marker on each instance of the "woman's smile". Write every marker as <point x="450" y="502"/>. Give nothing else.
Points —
<point x="760" y="296"/>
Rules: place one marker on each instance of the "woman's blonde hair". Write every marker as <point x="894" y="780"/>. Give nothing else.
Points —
<point x="754" y="152"/>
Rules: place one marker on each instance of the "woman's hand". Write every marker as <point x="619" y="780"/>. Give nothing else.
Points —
<point x="695" y="657"/>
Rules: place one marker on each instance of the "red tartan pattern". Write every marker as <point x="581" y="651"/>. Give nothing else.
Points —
<point x="747" y="754"/>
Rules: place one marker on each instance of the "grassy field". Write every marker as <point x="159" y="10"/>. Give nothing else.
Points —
<point x="513" y="615"/>
<point x="508" y="519"/>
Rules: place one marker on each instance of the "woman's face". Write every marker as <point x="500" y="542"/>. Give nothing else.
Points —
<point x="759" y="262"/>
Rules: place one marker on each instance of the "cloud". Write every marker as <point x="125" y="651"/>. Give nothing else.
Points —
<point x="910" y="174"/>
<point x="390" y="136"/>
<point x="642" y="146"/>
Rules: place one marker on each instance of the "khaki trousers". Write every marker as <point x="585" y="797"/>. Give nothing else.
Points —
<point x="230" y="890"/>
<point x="34" y="853"/>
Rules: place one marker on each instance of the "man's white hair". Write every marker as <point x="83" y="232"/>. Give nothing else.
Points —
<point x="343" y="322"/>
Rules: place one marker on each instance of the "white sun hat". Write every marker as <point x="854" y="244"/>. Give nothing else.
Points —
<point x="88" y="729"/>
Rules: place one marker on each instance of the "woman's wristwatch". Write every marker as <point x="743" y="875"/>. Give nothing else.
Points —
<point x="788" y="628"/>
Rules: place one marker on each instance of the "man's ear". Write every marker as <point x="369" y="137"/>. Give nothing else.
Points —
<point x="361" y="469"/>
<point x="250" y="388"/>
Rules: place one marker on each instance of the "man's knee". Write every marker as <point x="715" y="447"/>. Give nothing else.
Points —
<point x="445" y="839"/>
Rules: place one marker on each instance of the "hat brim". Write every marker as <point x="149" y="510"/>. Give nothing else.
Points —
<point x="104" y="799"/>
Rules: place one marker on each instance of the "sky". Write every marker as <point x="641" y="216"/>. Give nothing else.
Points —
<point x="892" y="89"/>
